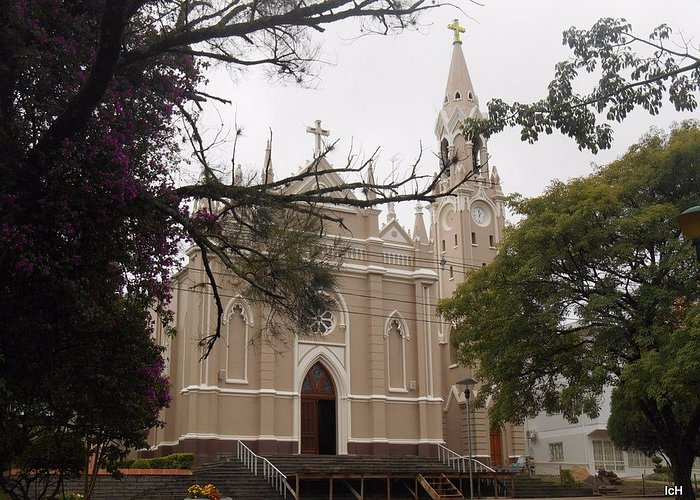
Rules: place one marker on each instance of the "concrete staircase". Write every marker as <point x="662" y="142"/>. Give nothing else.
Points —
<point x="232" y="479"/>
<point x="398" y="466"/>
<point x="531" y="487"/>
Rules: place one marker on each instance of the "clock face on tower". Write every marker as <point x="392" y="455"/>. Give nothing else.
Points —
<point x="481" y="215"/>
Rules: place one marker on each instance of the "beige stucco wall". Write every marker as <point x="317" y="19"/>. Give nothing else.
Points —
<point x="262" y="402"/>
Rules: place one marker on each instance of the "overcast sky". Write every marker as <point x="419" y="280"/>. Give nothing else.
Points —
<point x="384" y="92"/>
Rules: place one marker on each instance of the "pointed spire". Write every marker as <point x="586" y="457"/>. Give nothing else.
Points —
<point x="495" y="178"/>
<point x="268" y="174"/>
<point x="392" y="212"/>
<point x="419" y="232"/>
<point x="436" y="184"/>
<point x="460" y="90"/>
<point x="369" y="193"/>
<point x="238" y="175"/>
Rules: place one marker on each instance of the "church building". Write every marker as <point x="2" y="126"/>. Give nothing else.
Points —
<point x="379" y="377"/>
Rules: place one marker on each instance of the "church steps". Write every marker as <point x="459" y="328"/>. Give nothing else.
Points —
<point x="233" y="479"/>
<point x="358" y="464"/>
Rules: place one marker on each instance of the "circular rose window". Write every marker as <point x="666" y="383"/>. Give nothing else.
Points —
<point x="322" y="323"/>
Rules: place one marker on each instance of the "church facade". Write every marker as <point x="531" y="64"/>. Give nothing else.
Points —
<point x="379" y="375"/>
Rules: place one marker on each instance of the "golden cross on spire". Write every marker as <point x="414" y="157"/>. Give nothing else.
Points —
<point x="454" y="26"/>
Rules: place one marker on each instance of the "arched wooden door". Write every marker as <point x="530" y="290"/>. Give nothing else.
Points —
<point x="496" y="444"/>
<point x="318" y="412"/>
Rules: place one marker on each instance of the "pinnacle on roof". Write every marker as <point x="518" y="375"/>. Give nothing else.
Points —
<point x="419" y="232"/>
<point x="369" y="192"/>
<point x="460" y="90"/>
<point x="268" y="175"/>
<point x="392" y="212"/>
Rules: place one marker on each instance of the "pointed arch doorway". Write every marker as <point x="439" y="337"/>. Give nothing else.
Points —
<point x="496" y="445"/>
<point x="318" y="412"/>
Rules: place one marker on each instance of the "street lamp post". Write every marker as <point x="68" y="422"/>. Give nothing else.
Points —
<point x="467" y="383"/>
<point x="689" y="224"/>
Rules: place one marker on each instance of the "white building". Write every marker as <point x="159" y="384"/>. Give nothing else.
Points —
<point x="557" y="444"/>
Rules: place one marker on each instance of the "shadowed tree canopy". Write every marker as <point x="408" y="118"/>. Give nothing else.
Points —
<point x="656" y="405"/>
<point x="632" y="71"/>
<point x="595" y="287"/>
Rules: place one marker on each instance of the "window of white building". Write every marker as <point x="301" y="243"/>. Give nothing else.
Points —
<point x="636" y="459"/>
<point x="607" y="456"/>
<point x="556" y="452"/>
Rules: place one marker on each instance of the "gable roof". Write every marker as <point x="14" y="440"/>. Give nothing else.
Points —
<point x="321" y="180"/>
<point x="395" y="233"/>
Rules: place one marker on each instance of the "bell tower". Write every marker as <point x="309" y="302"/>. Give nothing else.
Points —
<point x="467" y="227"/>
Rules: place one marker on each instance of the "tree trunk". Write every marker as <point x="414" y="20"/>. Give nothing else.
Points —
<point x="682" y="468"/>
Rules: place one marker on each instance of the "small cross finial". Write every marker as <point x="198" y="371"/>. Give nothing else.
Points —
<point x="454" y="26"/>
<point x="318" y="132"/>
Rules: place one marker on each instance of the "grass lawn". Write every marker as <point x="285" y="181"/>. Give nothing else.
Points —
<point x="638" y="482"/>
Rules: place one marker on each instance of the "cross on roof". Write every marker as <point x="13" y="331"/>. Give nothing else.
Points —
<point x="318" y="132"/>
<point x="454" y="26"/>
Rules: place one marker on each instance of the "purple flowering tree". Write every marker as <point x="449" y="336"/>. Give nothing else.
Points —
<point x="92" y="95"/>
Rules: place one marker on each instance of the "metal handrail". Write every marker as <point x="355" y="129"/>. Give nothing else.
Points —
<point x="262" y="466"/>
<point x="459" y="462"/>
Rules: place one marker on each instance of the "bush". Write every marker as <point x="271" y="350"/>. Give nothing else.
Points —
<point x="141" y="463"/>
<point x="174" y="461"/>
<point x="664" y="476"/>
<point x="126" y="463"/>
<point x="182" y="460"/>
<point x="567" y="479"/>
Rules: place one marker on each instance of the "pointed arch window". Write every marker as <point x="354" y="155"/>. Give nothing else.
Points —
<point x="237" y="322"/>
<point x="445" y="156"/>
<point x="476" y="155"/>
<point x="458" y="96"/>
<point x="446" y="100"/>
<point x="470" y="96"/>
<point x="318" y="382"/>
<point x="396" y="335"/>
<point x="453" y="348"/>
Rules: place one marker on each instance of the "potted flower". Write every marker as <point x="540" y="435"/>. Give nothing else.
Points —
<point x="209" y="491"/>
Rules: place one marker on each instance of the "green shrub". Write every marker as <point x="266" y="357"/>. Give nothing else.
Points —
<point x="567" y="479"/>
<point x="126" y="463"/>
<point x="159" y="463"/>
<point x="182" y="460"/>
<point x="663" y="476"/>
<point x="174" y="461"/>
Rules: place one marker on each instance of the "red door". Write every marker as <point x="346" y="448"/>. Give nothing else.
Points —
<point x="318" y="415"/>
<point x="309" y="426"/>
<point x="496" y="447"/>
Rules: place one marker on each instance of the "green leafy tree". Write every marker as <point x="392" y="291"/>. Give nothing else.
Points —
<point x="656" y="405"/>
<point x="632" y="72"/>
<point x="594" y="287"/>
